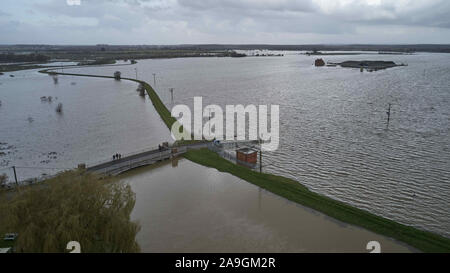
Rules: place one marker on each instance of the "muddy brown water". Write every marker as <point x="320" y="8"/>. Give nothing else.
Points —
<point x="185" y="207"/>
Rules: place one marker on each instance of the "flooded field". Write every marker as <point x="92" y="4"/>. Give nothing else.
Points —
<point x="185" y="207"/>
<point x="333" y="124"/>
<point x="333" y="129"/>
<point x="100" y="117"/>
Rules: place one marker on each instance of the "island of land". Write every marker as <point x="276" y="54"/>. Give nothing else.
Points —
<point x="369" y="65"/>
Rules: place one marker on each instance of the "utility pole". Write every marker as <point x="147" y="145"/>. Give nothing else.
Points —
<point x="15" y="175"/>
<point x="209" y="119"/>
<point x="260" y="156"/>
<point x="135" y="69"/>
<point x="154" y="80"/>
<point x="388" y="115"/>
<point x="171" y="94"/>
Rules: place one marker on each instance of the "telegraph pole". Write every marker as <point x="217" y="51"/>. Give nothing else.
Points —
<point x="154" y="80"/>
<point x="260" y="156"/>
<point x="135" y="69"/>
<point x="209" y="119"/>
<point x="388" y="115"/>
<point x="171" y="93"/>
<point x="15" y="175"/>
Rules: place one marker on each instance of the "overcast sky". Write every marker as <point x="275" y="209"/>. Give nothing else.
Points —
<point x="224" y="21"/>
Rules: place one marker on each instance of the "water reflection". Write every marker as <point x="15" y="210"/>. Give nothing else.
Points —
<point x="185" y="207"/>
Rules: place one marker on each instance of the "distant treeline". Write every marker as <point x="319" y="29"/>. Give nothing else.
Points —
<point x="100" y="61"/>
<point x="169" y="50"/>
<point x="15" y="58"/>
<point x="322" y="47"/>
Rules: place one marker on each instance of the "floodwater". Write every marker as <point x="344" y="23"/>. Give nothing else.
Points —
<point x="190" y="208"/>
<point x="333" y="129"/>
<point x="100" y="117"/>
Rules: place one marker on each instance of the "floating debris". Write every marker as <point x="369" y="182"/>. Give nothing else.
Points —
<point x="30" y="119"/>
<point x="3" y="146"/>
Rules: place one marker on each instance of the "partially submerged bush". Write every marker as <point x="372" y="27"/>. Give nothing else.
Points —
<point x="71" y="207"/>
<point x="117" y="75"/>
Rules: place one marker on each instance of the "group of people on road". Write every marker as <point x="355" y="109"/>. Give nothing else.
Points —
<point x="163" y="147"/>
<point x="117" y="156"/>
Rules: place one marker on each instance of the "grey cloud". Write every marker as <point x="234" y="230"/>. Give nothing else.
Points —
<point x="231" y="21"/>
<point x="4" y="14"/>
<point x="270" y="5"/>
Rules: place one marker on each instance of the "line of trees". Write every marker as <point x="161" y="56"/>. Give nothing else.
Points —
<point x="10" y="57"/>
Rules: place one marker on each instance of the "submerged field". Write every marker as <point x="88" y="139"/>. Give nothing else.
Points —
<point x="325" y="178"/>
<point x="292" y="190"/>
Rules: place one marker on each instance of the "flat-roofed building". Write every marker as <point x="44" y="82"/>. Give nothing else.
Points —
<point x="247" y="155"/>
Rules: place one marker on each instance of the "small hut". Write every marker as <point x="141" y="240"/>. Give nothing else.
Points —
<point x="247" y="155"/>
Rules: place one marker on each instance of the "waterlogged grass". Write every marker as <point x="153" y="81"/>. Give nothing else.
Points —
<point x="162" y="110"/>
<point x="294" y="191"/>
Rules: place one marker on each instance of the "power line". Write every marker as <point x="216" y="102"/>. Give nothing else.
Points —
<point x="41" y="168"/>
<point x="29" y="167"/>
